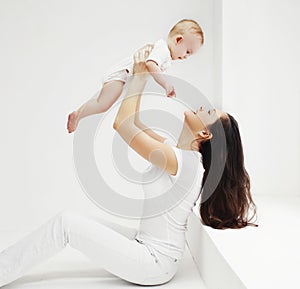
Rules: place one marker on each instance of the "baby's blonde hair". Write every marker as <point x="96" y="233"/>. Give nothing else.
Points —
<point x="187" y="25"/>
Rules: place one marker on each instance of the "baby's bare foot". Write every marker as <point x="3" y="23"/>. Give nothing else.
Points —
<point x="72" y="121"/>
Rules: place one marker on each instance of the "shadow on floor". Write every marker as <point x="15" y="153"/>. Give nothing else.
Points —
<point x="92" y="277"/>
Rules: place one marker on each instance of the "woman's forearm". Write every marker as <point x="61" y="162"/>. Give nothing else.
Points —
<point x="130" y="103"/>
<point x="142" y="126"/>
<point x="125" y="122"/>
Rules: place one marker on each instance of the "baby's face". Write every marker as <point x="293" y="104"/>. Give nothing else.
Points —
<point x="184" y="45"/>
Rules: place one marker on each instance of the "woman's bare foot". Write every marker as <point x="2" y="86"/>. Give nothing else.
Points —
<point x="72" y="121"/>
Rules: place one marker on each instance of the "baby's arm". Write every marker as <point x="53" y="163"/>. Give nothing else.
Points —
<point x="159" y="77"/>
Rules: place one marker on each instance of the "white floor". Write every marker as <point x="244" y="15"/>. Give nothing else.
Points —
<point x="72" y="270"/>
<point x="266" y="257"/>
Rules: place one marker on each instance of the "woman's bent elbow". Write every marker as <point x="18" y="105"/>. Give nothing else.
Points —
<point x="115" y="126"/>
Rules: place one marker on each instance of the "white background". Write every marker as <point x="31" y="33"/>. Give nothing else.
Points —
<point x="53" y="56"/>
<point x="54" y="53"/>
<point x="261" y="87"/>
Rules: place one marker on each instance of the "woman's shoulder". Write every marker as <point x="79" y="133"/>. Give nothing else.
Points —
<point x="172" y="143"/>
<point x="188" y="157"/>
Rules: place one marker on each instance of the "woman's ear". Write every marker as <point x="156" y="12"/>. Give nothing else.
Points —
<point x="178" y="39"/>
<point x="205" y="135"/>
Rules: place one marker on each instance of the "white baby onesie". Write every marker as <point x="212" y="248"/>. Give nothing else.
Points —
<point x="124" y="69"/>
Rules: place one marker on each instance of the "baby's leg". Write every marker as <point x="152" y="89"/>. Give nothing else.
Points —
<point x="109" y="93"/>
<point x="116" y="253"/>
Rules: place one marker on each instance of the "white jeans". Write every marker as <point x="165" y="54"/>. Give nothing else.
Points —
<point x="122" y="256"/>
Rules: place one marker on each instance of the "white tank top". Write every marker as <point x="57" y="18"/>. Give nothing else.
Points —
<point x="168" y="203"/>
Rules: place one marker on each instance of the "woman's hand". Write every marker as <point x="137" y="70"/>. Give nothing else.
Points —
<point x="140" y="57"/>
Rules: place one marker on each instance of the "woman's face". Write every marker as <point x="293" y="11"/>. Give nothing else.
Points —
<point x="201" y="118"/>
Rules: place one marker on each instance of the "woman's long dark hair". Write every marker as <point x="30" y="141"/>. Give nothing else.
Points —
<point x="225" y="204"/>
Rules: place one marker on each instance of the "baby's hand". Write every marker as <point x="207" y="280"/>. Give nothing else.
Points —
<point x="170" y="91"/>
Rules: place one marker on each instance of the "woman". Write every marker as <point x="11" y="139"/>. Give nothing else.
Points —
<point x="198" y="162"/>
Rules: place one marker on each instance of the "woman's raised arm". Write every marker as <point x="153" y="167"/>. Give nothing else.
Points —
<point x="150" y="148"/>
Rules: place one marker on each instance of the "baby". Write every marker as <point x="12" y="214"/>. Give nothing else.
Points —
<point x="184" y="39"/>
